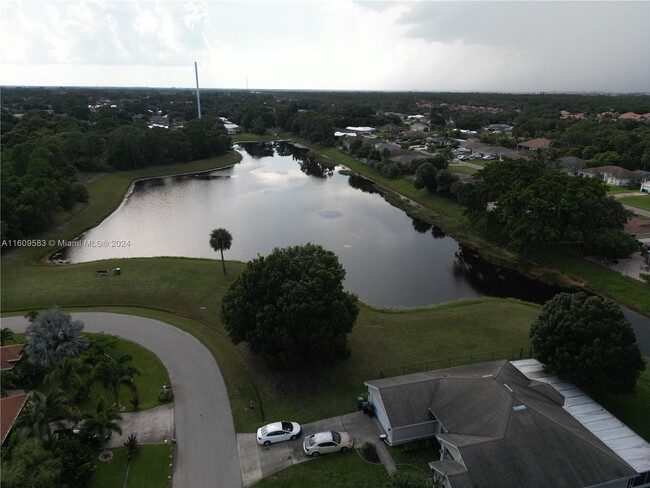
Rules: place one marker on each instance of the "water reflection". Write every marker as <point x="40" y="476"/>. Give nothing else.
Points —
<point x="361" y="183"/>
<point x="495" y="280"/>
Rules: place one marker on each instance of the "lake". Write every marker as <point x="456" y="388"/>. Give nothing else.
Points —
<point x="274" y="198"/>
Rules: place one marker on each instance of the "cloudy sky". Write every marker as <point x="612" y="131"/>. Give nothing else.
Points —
<point x="522" y="46"/>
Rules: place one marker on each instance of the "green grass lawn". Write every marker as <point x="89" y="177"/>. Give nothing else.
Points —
<point x="639" y="201"/>
<point x="461" y="169"/>
<point x="150" y="468"/>
<point x="334" y="470"/>
<point x="613" y="190"/>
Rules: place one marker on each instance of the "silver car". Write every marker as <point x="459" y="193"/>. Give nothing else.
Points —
<point x="277" y="432"/>
<point x="324" y="442"/>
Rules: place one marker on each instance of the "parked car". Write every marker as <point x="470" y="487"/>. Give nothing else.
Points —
<point x="325" y="442"/>
<point x="278" y="432"/>
<point x="488" y="157"/>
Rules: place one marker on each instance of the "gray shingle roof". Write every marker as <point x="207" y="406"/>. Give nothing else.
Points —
<point x="537" y="444"/>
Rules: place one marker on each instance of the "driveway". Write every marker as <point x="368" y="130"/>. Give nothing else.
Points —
<point x="206" y="449"/>
<point x="258" y="462"/>
<point x="151" y="426"/>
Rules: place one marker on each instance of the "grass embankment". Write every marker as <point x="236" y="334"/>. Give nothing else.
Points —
<point x="456" y="168"/>
<point x="551" y="265"/>
<point x="150" y="467"/>
<point x="176" y="289"/>
<point x="638" y="201"/>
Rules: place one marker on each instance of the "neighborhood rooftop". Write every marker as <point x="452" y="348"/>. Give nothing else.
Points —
<point x="507" y="428"/>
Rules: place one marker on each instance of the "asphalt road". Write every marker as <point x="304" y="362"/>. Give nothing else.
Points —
<point x="206" y="451"/>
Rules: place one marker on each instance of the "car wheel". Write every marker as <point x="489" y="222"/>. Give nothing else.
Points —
<point x="344" y="449"/>
<point x="315" y="454"/>
<point x="267" y="443"/>
<point x="293" y="437"/>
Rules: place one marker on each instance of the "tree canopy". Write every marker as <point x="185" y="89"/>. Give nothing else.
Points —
<point x="290" y="308"/>
<point x="527" y="204"/>
<point x="52" y="337"/>
<point x="588" y="341"/>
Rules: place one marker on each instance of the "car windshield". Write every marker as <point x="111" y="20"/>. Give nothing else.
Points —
<point x="336" y="437"/>
<point x="286" y="426"/>
<point x="265" y="430"/>
<point x="311" y="440"/>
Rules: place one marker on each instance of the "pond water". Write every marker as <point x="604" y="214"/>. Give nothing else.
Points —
<point x="274" y="198"/>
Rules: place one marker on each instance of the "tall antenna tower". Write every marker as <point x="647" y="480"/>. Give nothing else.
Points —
<point x="198" y="95"/>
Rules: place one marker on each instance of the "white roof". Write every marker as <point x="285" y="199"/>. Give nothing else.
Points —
<point x="361" y="129"/>
<point x="626" y="443"/>
<point x="339" y="134"/>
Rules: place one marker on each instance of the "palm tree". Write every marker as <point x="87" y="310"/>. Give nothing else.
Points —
<point x="42" y="410"/>
<point x="69" y="374"/>
<point x="101" y="423"/>
<point x="114" y="373"/>
<point x="5" y="335"/>
<point x="52" y="337"/>
<point x="220" y="240"/>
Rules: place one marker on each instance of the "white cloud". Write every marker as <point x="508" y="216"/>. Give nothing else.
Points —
<point x="345" y="44"/>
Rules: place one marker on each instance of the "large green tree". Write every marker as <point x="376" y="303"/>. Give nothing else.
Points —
<point x="31" y="466"/>
<point x="588" y="341"/>
<point x="528" y="204"/>
<point x="52" y="337"/>
<point x="290" y="308"/>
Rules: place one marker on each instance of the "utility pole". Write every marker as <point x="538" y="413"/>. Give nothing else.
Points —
<point x="198" y="95"/>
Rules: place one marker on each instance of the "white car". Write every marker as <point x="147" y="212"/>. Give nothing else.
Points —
<point x="278" y="432"/>
<point x="324" y="442"/>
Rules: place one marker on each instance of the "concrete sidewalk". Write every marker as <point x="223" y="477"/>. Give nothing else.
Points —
<point x="258" y="462"/>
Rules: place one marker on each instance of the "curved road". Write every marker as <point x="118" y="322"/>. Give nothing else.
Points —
<point x="206" y="450"/>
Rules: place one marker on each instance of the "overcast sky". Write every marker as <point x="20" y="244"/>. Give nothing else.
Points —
<point x="521" y="46"/>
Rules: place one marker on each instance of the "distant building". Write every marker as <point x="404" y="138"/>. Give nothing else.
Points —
<point x="634" y="116"/>
<point x="419" y="126"/>
<point x="571" y="164"/>
<point x="361" y="130"/>
<point x="499" y="128"/>
<point x="389" y="128"/>
<point x="612" y="175"/>
<point x="535" y="145"/>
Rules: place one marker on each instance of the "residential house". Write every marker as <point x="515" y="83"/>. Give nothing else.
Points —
<point x="419" y="126"/>
<point x="10" y="408"/>
<point x="499" y="128"/>
<point x="644" y="178"/>
<point x="413" y="134"/>
<point x="10" y="355"/>
<point x="612" y="175"/>
<point x="535" y="145"/>
<point x="361" y="130"/>
<point x="231" y="128"/>
<point x="389" y="128"/>
<point x="571" y="164"/>
<point x="510" y="425"/>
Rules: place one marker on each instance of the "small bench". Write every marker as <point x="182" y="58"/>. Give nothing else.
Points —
<point x="102" y="272"/>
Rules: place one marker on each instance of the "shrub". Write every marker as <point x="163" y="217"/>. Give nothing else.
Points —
<point x="369" y="452"/>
